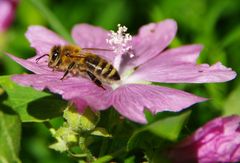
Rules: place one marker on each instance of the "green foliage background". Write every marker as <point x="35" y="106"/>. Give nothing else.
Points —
<point x="215" y="24"/>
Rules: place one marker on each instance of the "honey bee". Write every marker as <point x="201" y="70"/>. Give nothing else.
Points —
<point x="79" y="61"/>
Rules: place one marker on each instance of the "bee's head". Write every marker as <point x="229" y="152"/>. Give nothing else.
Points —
<point x="54" y="56"/>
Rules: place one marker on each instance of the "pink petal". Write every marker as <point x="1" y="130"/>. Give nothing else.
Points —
<point x="30" y="64"/>
<point x="179" y="66"/>
<point x="152" y="39"/>
<point x="88" y="36"/>
<point x="71" y="88"/>
<point x="42" y="39"/>
<point x="131" y="99"/>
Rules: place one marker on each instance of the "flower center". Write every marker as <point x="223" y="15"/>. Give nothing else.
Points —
<point x="120" y="43"/>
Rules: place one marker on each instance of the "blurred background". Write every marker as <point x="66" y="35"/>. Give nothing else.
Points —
<point x="215" y="24"/>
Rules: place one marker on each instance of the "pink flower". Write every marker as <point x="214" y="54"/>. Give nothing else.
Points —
<point x="7" y="13"/>
<point x="142" y="61"/>
<point x="216" y="141"/>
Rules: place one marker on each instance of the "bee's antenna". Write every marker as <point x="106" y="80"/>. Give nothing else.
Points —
<point x="37" y="59"/>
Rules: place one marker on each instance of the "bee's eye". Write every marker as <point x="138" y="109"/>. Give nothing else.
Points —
<point x="55" y="55"/>
<point x="56" y="50"/>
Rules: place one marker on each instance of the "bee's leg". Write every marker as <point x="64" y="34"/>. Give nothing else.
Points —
<point x="68" y="69"/>
<point x="95" y="80"/>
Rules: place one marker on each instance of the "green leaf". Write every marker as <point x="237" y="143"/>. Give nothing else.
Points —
<point x="145" y="140"/>
<point x="99" y="131"/>
<point x="46" y="108"/>
<point x="168" y="126"/>
<point x="30" y="104"/>
<point x="10" y="127"/>
<point x="232" y="103"/>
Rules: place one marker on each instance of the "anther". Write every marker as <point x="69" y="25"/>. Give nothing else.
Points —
<point x="119" y="41"/>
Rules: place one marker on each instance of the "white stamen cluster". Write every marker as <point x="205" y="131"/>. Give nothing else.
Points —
<point x="119" y="40"/>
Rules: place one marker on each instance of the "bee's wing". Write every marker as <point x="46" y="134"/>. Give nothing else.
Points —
<point x="97" y="49"/>
<point x="107" y="54"/>
<point x="83" y="53"/>
<point x="78" y="55"/>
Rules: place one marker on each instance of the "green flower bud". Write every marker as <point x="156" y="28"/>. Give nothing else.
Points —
<point x="66" y="134"/>
<point x="81" y="122"/>
<point x="60" y="146"/>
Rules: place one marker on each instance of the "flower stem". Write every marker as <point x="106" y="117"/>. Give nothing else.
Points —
<point x="52" y="19"/>
<point x="83" y="147"/>
<point x="77" y="155"/>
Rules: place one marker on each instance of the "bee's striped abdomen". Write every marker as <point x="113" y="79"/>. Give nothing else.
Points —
<point x="92" y="62"/>
<point x="102" y="69"/>
<point x="114" y="75"/>
<point x="107" y="70"/>
<point x="102" y="63"/>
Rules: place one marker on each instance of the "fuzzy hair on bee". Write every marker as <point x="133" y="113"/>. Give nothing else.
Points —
<point x="80" y="62"/>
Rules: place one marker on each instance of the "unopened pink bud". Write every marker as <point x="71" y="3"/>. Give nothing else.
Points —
<point x="216" y="141"/>
<point x="7" y="13"/>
